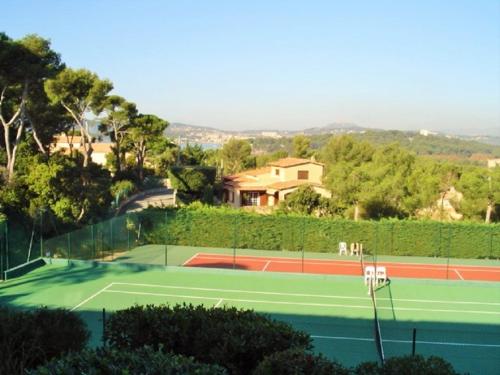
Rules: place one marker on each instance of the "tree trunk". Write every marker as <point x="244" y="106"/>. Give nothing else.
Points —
<point x="9" y="147"/>
<point x="489" y="210"/>
<point x="356" y="211"/>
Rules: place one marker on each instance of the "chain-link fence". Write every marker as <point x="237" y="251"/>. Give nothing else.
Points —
<point x="226" y="238"/>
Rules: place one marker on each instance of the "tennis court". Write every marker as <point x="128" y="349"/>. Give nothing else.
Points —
<point x="458" y="320"/>
<point x="342" y="267"/>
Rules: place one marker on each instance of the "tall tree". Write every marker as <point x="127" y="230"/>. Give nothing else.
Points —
<point x="236" y="155"/>
<point x="481" y="192"/>
<point x="144" y="131"/>
<point x="119" y="116"/>
<point x="80" y="92"/>
<point x="301" y="146"/>
<point x="24" y="65"/>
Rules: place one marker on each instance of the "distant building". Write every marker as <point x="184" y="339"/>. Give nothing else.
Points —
<point x="426" y="133"/>
<point x="269" y="185"/>
<point x="65" y="144"/>
<point x="492" y="163"/>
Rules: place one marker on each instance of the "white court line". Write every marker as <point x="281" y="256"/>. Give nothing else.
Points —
<point x="266" y="265"/>
<point x="91" y="297"/>
<point x="190" y="259"/>
<point x="219" y="303"/>
<point x="303" y="294"/>
<point x="435" y="266"/>
<point x="330" y="262"/>
<point x="309" y="304"/>
<point x="458" y="273"/>
<point x="408" y="341"/>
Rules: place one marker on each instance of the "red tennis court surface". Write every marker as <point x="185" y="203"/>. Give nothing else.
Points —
<point x="343" y="267"/>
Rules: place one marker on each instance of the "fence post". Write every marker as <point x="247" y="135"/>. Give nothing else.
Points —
<point x="303" y="227"/>
<point x="93" y="240"/>
<point x="2" y="248"/>
<point x="111" y="244"/>
<point x="235" y="231"/>
<point x="7" y="246"/>
<point x="41" y="234"/>
<point x="448" y="253"/>
<point x="491" y="242"/>
<point x="166" y="238"/>
<point x="127" y="221"/>
<point x="69" y="247"/>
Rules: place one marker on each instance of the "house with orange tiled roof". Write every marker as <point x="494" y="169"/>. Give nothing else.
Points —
<point x="65" y="144"/>
<point x="269" y="185"/>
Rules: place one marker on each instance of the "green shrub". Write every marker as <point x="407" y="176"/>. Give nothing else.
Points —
<point x="29" y="338"/>
<point x="235" y="339"/>
<point x="145" y="361"/>
<point x="408" y="365"/>
<point x="294" y="362"/>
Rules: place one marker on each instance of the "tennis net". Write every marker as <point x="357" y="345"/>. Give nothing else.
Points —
<point x="376" y="324"/>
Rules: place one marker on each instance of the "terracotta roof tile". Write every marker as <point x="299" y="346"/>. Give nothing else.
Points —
<point x="290" y="162"/>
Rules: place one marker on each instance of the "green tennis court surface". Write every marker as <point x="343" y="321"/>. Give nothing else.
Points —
<point x="459" y="321"/>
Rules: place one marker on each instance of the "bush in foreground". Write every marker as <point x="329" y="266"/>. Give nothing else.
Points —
<point x="294" y="362"/>
<point x="29" y="338"/>
<point x="235" y="339"/>
<point x="408" y="365"/>
<point x="144" y="361"/>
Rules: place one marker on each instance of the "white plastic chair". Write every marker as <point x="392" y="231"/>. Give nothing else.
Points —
<point x="369" y="274"/>
<point x="342" y="248"/>
<point x="356" y="249"/>
<point x="380" y="275"/>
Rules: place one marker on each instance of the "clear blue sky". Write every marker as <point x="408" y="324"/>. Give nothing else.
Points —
<point x="284" y="64"/>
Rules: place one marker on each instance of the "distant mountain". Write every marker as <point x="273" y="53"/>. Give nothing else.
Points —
<point x="180" y="129"/>
<point x="423" y="141"/>
<point x="335" y="128"/>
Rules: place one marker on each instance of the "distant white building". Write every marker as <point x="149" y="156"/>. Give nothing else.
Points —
<point x="492" y="163"/>
<point x="426" y="133"/>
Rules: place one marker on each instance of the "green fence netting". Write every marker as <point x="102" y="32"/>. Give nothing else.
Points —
<point x="237" y="239"/>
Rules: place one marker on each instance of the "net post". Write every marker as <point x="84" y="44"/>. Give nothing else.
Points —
<point x="414" y="341"/>
<point x="103" y="327"/>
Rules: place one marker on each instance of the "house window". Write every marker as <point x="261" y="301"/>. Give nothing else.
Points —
<point x="277" y="172"/>
<point x="251" y="198"/>
<point x="231" y="196"/>
<point x="303" y="175"/>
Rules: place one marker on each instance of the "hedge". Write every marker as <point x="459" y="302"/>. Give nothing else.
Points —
<point x="410" y="365"/>
<point x="145" y="361"/>
<point x="29" y="338"/>
<point x="225" y="228"/>
<point x="235" y="339"/>
<point x="293" y="362"/>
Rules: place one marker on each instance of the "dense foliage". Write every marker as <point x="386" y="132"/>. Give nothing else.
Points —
<point x="144" y="361"/>
<point x="193" y="183"/>
<point x="195" y="227"/>
<point x="235" y="339"/>
<point x="29" y="338"/>
<point x="294" y="362"/>
<point x="412" y="365"/>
